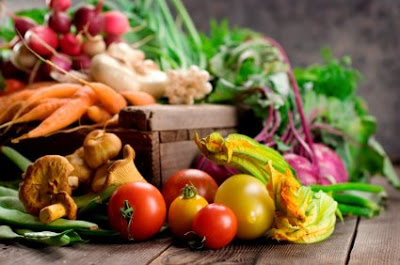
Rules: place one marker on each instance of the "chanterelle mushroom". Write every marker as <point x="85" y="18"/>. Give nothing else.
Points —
<point x="99" y="147"/>
<point x="62" y="205"/>
<point x="117" y="172"/>
<point x="44" y="182"/>
<point x="81" y="169"/>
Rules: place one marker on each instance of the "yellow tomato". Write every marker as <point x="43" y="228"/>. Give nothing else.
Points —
<point x="182" y="211"/>
<point x="249" y="200"/>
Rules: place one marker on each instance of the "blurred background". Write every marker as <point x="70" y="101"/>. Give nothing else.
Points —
<point x="366" y="30"/>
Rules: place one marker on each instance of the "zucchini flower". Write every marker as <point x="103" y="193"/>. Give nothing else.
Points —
<point x="301" y="215"/>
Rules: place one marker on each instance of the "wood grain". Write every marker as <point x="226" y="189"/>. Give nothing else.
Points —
<point x="378" y="239"/>
<point x="177" y="117"/>
<point x="176" y="156"/>
<point x="332" y="251"/>
<point x="88" y="254"/>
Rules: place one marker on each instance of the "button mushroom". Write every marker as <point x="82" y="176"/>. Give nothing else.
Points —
<point x="99" y="147"/>
<point x="46" y="184"/>
<point x="117" y="172"/>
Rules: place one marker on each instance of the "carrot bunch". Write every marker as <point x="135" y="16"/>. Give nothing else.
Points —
<point x="58" y="105"/>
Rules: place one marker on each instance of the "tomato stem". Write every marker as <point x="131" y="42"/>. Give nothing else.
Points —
<point x="127" y="214"/>
<point x="189" y="191"/>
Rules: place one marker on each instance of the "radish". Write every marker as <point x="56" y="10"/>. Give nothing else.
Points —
<point x="61" y="60"/>
<point x="71" y="44"/>
<point x="22" y="58"/>
<point x="22" y="24"/>
<point x="94" y="45"/>
<point x="59" y="22"/>
<point x="88" y="18"/>
<point x="60" y="5"/>
<point x="115" y="23"/>
<point x="8" y="70"/>
<point x="42" y="40"/>
<point x="110" y="38"/>
<point x="81" y="62"/>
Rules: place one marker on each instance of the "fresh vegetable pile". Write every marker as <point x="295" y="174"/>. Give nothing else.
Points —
<point x="309" y="163"/>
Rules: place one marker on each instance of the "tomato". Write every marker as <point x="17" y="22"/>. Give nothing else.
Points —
<point x="183" y="209"/>
<point x="217" y="224"/>
<point x="11" y="86"/>
<point x="249" y="200"/>
<point x="137" y="210"/>
<point x="205" y="184"/>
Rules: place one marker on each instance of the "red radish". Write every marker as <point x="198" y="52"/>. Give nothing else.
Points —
<point x="71" y="44"/>
<point x="89" y="18"/>
<point x="59" y="22"/>
<point x="115" y="23"/>
<point x="94" y="45"/>
<point x="42" y="40"/>
<point x="62" y="60"/>
<point x="110" y="38"/>
<point x="8" y="70"/>
<point x="22" y="24"/>
<point x="81" y="62"/>
<point x="60" y="5"/>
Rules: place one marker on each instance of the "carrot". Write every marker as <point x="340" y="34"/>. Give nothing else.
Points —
<point x="110" y="99"/>
<point x="39" y="112"/>
<point x="63" y="116"/>
<point x="139" y="98"/>
<point x="9" y="112"/>
<point x="6" y="101"/>
<point x="98" y="114"/>
<point x="41" y="84"/>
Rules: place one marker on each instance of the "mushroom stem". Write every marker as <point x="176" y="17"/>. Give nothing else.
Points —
<point x="73" y="182"/>
<point x="52" y="212"/>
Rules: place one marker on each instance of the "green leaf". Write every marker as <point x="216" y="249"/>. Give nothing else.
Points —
<point x="37" y="14"/>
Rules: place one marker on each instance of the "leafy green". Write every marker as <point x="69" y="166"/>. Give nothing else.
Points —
<point x="341" y="119"/>
<point x="334" y="78"/>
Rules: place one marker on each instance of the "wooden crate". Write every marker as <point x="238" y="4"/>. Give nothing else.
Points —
<point x="162" y="136"/>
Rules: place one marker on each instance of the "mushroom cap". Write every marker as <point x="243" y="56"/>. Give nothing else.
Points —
<point x="99" y="147"/>
<point x="43" y="179"/>
<point x="117" y="172"/>
<point x="70" y="206"/>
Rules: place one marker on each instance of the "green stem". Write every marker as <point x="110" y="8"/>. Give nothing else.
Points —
<point x="21" y="161"/>
<point x="349" y="186"/>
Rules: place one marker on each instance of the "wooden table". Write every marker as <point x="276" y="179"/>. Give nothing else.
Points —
<point x="356" y="241"/>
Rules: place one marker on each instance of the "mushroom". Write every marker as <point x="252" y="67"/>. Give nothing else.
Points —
<point x="62" y="205"/>
<point x="117" y="172"/>
<point x="46" y="184"/>
<point x="99" y="147"/>
<point x="81" y="171"/>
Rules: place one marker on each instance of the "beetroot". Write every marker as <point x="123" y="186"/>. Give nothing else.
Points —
<point x="330" y="167"/>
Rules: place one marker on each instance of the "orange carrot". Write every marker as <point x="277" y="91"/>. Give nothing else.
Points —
<point x="41" y="84"/>
<point x="110" y="99"/>
<point x="6" y="101"/>
<point x="63" y="116"/>
<point x="98" y="114"/>
<point x="9" y="112"/>
<point x="139" y="98"/>
<point x="41" y="111"/>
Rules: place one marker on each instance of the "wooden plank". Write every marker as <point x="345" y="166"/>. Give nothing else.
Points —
<point x="106" y="253"/>
<point x="332" y="251"/>
<point x="173" y="136"/>
<point x="177" y="117"/>
<point x="377" y="240"/>
<point x="176" y="156"/>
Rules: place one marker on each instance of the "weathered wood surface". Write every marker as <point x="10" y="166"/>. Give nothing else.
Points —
<point x="176" y="117"/>
<point x="356" y="241"/>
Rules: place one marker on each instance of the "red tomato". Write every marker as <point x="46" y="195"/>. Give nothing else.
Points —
<point x="205" y="184"/>
<point x="217" y="224"/>
<point x="142" y="204"/>
<point x="11" y="86"/>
